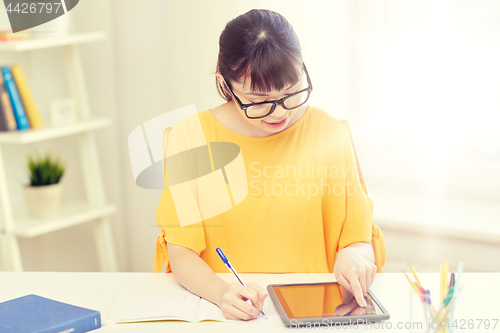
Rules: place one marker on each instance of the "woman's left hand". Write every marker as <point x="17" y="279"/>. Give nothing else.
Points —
<point x="355" y="273"/>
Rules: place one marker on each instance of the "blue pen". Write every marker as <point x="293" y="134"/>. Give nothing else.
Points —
<point x="228" y="264"/>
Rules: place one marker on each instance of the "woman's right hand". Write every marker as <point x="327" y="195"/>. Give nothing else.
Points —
<point x="233" y="303"/>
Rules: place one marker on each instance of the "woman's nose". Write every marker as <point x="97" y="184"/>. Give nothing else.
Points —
<point x="279" y="112"/>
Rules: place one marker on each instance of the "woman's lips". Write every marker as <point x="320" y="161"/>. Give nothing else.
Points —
<point x="278" y="124"/>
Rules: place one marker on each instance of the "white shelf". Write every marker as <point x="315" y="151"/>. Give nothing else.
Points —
<point x="16" y="222"/>
<point x="43" y="43"/>
<point x="441" y="216"/>
<point x="71" y="214"/>
<point x="51" y="132"/>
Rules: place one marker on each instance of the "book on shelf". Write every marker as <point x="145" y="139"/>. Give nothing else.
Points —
<point x="7" y="119"/>
<point x="15" y="99"/>
<point x="8" y="35"/>
<point x="18" y="109"/>
<point x="34" y="116"/>
<point x="149" y="305"/>
<point x="36" y="314"/>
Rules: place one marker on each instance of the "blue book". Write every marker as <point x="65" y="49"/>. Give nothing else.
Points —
<point x="15" y="99"/>
<point x="36" y="314"/>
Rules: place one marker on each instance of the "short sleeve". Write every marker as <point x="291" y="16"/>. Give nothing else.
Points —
<point x="357" y="225"/>
<point x="191" y="236"/>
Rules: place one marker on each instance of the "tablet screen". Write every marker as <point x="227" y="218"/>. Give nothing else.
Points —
<point x="322" y="300"/>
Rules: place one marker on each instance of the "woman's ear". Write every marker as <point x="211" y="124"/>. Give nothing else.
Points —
<point x="222" y="85"/>
<point x="220" y="79"/>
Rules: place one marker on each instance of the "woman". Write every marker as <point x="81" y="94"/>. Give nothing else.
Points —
<point x="304" y="209"/>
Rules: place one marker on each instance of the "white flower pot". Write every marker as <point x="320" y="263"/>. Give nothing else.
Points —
<point x="43" y="201"/>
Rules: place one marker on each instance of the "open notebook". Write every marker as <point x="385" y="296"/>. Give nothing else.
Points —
<point x="149" y="305"/>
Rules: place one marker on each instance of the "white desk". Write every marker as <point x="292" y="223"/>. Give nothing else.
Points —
<point x="97" y="291"/>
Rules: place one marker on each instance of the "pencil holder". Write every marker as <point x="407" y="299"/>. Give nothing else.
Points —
<point x="427" y="317"/>
<point x="419" y="317"/>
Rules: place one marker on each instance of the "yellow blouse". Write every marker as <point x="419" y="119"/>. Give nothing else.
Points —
<point x="304" y="200"/>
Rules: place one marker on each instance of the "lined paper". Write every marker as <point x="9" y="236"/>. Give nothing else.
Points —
<point x="148" y="305"/>
<point x="210" y="311"/>
<point x="190" y="306"/>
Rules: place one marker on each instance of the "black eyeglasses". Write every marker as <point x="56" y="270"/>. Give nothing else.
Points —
<point x="264" y="109"/>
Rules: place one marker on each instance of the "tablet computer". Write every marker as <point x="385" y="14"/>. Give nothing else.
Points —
<point x="318" y="304"/>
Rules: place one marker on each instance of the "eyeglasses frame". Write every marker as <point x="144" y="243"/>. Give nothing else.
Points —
<point x="276" y="102"/>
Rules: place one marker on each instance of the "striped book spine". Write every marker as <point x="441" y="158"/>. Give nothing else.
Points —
<point x="15" y="99"/>
<point x="30" y="106"/>
<point x="7" y="120"/>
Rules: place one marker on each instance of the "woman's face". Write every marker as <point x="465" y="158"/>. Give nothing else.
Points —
<point x="277" y="121"/>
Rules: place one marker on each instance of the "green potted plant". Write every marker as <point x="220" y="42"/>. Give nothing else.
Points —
<point x="43" y="194"/>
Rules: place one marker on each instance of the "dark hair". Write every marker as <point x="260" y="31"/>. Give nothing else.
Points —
<point x="262" y="44"/>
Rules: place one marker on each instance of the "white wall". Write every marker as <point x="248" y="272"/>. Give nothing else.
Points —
<point x="428" y="99"/>
<point x="426" y="125"/>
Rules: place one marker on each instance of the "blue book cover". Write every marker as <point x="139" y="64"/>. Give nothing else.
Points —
<point x="15" y="99"/>
<point x="36" y="314"/>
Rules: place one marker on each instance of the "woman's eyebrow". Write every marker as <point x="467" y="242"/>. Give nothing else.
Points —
<point x="261" y="94"/>
<point x="256" y="94"/>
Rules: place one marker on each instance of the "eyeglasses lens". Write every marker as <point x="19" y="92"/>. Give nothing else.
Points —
<point x="290" y="103"/>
